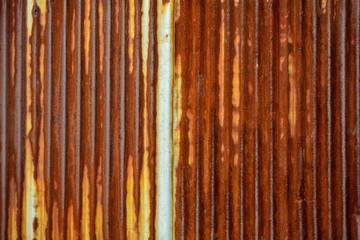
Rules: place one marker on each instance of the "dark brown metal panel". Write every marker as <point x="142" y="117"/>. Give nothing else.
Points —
<point x="180" y="119"/>
<point x="269" y="126"/>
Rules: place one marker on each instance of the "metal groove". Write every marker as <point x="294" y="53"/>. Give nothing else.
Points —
<point x="4" y="161"/>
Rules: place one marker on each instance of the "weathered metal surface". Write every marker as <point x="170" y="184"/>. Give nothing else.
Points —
<point x="179" y="119"/>
<point x="267" y="113"/>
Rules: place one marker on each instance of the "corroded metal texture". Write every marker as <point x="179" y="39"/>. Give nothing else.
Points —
<point x="267" y="114"/>
<point x="85" y="119"/>
<point x="179" y="119"/>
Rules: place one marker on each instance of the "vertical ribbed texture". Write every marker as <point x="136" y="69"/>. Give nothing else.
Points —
<point x="4" y="200"/>
<point x="281" y="78"/>
<point x="182" y="119"/>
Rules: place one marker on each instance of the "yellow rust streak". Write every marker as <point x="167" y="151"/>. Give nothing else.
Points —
<point x="177" y="109"/>
<point x="70" y="223"/>
<point x="72" y="41"/>
<point x="12" y="55"/>
<point x="177" y="9"/>
<point x="190" y="115"/>
<point x="101" y="34"/>
<point x="131" y="232"/>
<point x="99" y="210"/>
<point x="55" y="226"/>
<point x="145" y="177"/>
<point x="323" y="6"/>
<point x="12" y="233"/>
<point x="177" y="113"/>
<point x="30" y="191"/>
<point x="292" y="94"/>
<point x="221" y="70"/>
<point x="131" y="33"/>
<point x="87" y="35"/>
<point x="85" y="221"/>
<point x="144" y="192"/>
<point x="236" y="88"/>
<point x="41" y="176"/>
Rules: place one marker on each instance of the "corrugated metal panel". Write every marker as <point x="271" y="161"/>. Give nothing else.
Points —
<point x="268" y="114"/>
<point x="179" y="119"/>
<point x="81" y="152"/>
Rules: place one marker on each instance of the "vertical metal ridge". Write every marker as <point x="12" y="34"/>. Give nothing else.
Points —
<point x="198" y="123"/>
<point x="137" y="164"/>
<point x="300" y="156"/>
<point x="191" y="210"/>
<point x="131" y="121"/>
<point x="153" y="55"/>
<point x="257" y="110"/>
<point x="242" y="207"/>
<point x="248" y="212"/>
<point x="163" y="119"/>
<point x="343" y="117"/>
<point x="323" y="109"/>
<point x="281" y="177"/>
<point x="63" y="123"/>
<point x="256" y="183"/>
<point x="357" y="76"/>
<point x="296" y="69"/>
<point x="351" y="119"/>
<point x="329" y="121"/>
<point x="250" y="120"/>
<point x="235" y="127"/>
<point x="180" y="194"/>
<point x="199" y="101"/>
<point x="224" y="141"/>
<point x="338" y="118"/>
<point x="101" y="121"/>
<point x="79" y="76"/>
<point x="73" y="119"/>
<point x="212" y="16"/>
<point x="228" y="70"/>
<point x="271" y="109"/>
<point x="122" y="117"/>
<point x="213" y="172"/>
<point x="48" y="120"/>
<point x="145" y="169"/>
<point x="106" y="166"/>
<point x="19" y="112"/>
<point x="243" y="104"/>
<point x="315" y="118"/>
<point x="33" y="120"/>
<point x="265" y="69"/>
<point x="93" y="78"/>
<point x="3" y="130"/>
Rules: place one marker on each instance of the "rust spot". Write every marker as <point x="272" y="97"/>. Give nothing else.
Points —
<point x="35" y="224"/>
<point x="35" y="11"/>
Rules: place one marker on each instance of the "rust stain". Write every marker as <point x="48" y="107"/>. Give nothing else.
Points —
<point x="85" y="219"/>
<point x="178" y="119"/>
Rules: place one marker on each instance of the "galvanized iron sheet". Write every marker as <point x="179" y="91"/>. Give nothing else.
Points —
<point x="179" y="119"/>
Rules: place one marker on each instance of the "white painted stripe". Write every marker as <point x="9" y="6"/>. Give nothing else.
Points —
<point x="164" y="143"/>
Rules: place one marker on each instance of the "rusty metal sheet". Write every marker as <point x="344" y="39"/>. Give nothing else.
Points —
<point x="179" y="119"/>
